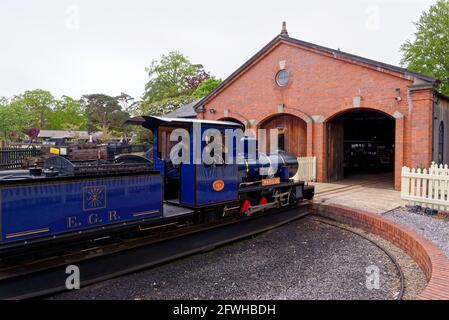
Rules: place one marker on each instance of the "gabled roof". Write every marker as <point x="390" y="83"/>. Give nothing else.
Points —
<point x="283" y="37"/>
<point x="185" y="111"/>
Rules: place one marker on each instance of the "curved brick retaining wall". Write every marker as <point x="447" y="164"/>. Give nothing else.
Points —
<point x="432" y="261"/>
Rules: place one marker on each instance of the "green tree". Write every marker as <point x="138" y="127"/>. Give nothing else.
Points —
<point x="13" y="119"/>
<point x="67" y="115"/>
<point x="142" y="135"/>
<point x="38" y="104"/>
<point x="3" y="102"/>
<point x="428" y="53"/>
<point x="127" y="102"/>
<point x="104" y="113"/>
<point x="159" y="108"/>
<point x="168" y="77"/>
<point x="206" y="87"/>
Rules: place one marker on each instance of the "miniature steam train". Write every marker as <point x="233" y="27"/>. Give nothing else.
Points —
<point x="69" y="202"/>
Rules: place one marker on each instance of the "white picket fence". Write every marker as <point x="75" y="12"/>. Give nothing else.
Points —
<point x="426" y="188"/>
<point x="306" y="169"/>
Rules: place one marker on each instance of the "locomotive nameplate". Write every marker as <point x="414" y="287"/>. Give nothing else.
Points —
<point x="271" y="181"/>
<point x="218" y="185"/>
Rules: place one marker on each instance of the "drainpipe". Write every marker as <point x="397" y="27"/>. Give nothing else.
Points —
<point x="435" y="118"/>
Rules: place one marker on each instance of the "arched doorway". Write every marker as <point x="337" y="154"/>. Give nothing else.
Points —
<point x="360" y="142"/>
<point x="291" y="133"/>
<point x="229" y="119"/>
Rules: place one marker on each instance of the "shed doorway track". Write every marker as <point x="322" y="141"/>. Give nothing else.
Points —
<point x="360" y="142"/>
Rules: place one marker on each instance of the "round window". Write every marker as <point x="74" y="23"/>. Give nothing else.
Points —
<point x="282" y="78"/>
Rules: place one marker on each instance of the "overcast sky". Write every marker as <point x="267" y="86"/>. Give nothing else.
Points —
<point x="103" y="46"/>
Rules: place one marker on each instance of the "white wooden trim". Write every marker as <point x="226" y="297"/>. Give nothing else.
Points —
<point x="306" y="169"/>
<point x="426" y="188"/>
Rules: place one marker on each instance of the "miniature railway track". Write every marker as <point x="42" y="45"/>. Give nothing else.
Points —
<point x="390" y="256"/>
<point x="99" y="264"/>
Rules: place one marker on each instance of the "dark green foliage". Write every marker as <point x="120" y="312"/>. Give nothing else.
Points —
<point x="104" y="113"/>
<point x="428" y="53"/>
<point x="168" y="77"/>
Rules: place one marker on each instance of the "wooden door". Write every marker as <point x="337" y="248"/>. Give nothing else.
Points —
<point x="335" y="150"/>
<point x="291" y="130"/>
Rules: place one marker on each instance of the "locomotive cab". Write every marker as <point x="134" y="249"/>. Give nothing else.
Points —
<point x="189" y="181"/>
<point x="250" y="182"/>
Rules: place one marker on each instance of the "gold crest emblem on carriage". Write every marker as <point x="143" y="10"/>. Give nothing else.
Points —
<point x="94" y="198"/>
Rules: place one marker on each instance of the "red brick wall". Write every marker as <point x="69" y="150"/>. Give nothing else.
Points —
<point x="323" y="85"/>
<point x="420" y="138"/>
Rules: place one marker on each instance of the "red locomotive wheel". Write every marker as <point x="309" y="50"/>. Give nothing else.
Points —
<point x="263" y="200"/>
<point x="245" y="206"/>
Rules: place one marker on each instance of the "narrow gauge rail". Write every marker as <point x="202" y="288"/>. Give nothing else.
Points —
<point x="390" y="256"/>
<point x="39" y="280"/>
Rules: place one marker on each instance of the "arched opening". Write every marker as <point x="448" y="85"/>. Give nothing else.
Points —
<point x="360" y="142"/>
<point x="291" y="134"/>
<point x="229" y="119"/>
<point x="232" y="120"/>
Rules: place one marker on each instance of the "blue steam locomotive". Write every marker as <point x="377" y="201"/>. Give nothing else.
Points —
<point x="69" y="202"/>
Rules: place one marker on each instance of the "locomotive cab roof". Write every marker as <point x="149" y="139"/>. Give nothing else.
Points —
<point x="152" y="123"/>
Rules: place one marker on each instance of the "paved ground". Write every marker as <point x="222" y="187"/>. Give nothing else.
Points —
<point x="373" y="193"/>
<point x="291" y="262"/>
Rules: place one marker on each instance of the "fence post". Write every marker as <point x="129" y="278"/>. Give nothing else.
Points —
<point x="404" y="185"/>
<point x="314" y="168"/>
<point x="426" y="180"/>
<point x="306" y="169"/>
<point x="427" y="188"/>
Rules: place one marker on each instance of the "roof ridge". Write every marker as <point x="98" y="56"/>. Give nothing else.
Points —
<point x="362" y="59"/>
<point x="287" y="38"/>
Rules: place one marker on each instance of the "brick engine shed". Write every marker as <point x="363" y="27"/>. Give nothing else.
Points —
<point x="354" y="114"/>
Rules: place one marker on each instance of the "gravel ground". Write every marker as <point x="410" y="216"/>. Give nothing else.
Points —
<point x="433" y="229"/>
<point x="303" y="260"/>
<point x="414" y="279"/>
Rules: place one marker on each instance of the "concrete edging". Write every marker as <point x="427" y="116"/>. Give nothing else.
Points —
<point x="427" y="255"/>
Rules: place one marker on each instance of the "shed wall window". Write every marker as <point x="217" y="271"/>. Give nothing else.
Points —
<point x="441" y="144"/>
<point x="282" y="78"/>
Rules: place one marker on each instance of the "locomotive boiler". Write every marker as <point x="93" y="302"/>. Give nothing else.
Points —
<point x="256" y="166"/>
